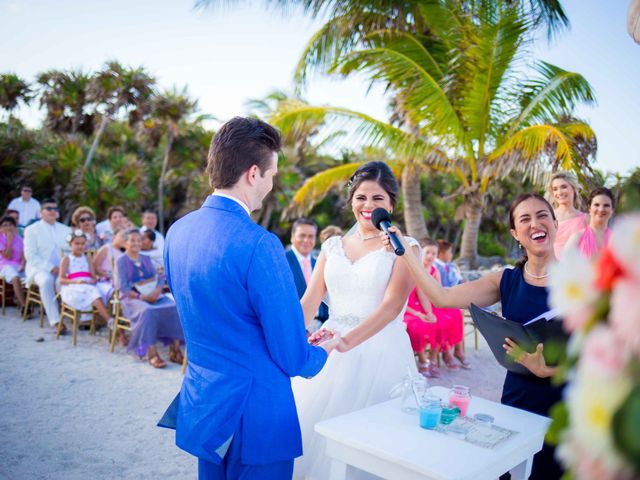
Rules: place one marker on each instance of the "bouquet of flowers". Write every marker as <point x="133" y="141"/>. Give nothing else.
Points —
<point x="597" y="427"/>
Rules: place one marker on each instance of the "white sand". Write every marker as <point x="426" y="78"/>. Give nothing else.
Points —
<point x="78" y="413"/>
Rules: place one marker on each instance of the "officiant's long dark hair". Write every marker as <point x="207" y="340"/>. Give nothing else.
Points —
<point x="378" y="172"/>
<point x="512" y="219"/>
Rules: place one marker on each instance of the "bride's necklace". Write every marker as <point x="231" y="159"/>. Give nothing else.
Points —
<point x="537" y="277"/>
<point x="364" y="239"/>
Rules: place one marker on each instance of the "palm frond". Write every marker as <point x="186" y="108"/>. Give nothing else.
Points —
<point x="496" y="44"/>
<point x="363" y="129"/>
<point x="551" y="96"/>
<point x="423" y="98"/>
<point x="532" y="149"/>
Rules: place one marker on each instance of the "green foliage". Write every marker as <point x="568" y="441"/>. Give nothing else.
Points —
<point x="626" y="434"/>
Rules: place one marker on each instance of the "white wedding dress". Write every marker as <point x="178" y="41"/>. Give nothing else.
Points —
<point x="362" y="376"/>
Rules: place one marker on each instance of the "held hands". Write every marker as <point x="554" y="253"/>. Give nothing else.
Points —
<point x="534" y="362"/>
<point x="327" y="339"/>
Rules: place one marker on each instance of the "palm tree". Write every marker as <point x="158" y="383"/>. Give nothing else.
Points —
<point x="465" y="108"/>
<point x="64" y="95"/>
<point x="116" y="88"/>
<point x="168" y="111"/>
<point x="13" y="90"/>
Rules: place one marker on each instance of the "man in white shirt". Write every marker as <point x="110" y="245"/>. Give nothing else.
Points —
<point x="28" y="208"/>
<point x="301" y="261"/>
<point x="45" y="243"/>
<point x="150" y="222"/>
<point x="116" y="218"/>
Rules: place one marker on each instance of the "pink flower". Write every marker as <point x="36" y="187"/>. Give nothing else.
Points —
<point x="577" y="318"/>
<point x="625" y="313"/>
<point x="603" y="352"/>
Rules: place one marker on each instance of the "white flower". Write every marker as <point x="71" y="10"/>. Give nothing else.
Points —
<point x="625" y="243"/>
<point x="571" y="283"/>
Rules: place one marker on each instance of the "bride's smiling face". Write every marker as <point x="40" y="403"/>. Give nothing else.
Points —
<point x="367" y="197"/>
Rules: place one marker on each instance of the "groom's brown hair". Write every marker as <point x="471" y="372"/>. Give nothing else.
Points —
<point x="239" y="144"/>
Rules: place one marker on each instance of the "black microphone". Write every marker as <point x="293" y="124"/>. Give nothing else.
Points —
<point x="382" y="221"/>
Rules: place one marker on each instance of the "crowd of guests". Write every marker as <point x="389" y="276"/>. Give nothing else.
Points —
<point x="86" y="265"/>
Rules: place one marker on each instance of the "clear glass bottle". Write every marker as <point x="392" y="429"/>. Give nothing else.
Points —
<point x="461" y="398"/>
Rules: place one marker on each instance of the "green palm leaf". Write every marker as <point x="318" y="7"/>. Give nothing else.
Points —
<point x="293" y="116"/>
<point x="496" y="44"/>
<point x="553" y="95"/>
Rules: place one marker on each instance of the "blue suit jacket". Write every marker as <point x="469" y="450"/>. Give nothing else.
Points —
<point x="301" y="283"/>
<point x="245" y="335"/>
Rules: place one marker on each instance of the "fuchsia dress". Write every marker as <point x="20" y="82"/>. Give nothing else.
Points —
<point x="566" y="228"/>
<point x="588" y="245"/>
<point x="444" y="333"/>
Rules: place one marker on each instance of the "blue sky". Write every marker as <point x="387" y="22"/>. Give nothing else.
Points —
<point x="228" y="55"/>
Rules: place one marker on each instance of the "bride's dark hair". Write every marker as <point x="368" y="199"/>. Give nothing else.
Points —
<point x="378" y="172"/>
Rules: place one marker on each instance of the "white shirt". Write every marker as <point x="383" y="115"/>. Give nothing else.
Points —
<point x="103" y="230"/>
<point x="237" y="200"/>
<point x="27" y="211"/>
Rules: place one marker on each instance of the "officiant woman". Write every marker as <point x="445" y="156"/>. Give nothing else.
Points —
<point x="153" y="315"/>
<point x="523" y="293"/>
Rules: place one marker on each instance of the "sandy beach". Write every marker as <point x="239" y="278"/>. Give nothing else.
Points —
<point x="81" y="412"/>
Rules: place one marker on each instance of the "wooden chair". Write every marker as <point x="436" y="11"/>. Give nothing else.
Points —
<point x="33" y="299"/>
<point x="3" y="293"/>
<point x="120" y="322"/>
<point x="467" y="322"/>
<point x="184" y="362"/>
<point x="75" y="315"/>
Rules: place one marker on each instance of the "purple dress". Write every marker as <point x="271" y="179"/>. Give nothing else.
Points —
<point x="150" y="321"/>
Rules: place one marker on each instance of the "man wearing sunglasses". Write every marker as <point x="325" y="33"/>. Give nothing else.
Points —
<point x="44" y="246"/>
<point x="28" y="207"/>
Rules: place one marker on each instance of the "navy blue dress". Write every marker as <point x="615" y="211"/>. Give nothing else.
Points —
<point x="520" y="303"/>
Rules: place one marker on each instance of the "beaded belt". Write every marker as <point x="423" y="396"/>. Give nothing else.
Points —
<point x="347" y="320"/>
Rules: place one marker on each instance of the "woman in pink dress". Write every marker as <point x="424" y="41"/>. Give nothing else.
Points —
<point x="592" y="239"/>
<point x="440" y="328"/>
<point x="563" y="192"/>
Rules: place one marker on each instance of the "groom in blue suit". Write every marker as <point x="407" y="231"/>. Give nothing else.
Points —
<point x="241" y="317"/>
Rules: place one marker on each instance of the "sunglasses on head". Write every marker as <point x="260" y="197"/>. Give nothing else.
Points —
<point x="51" y="209"/>
<point x="85" y="219"/>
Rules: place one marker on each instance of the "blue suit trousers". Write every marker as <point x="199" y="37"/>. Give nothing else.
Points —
<point x="231" y="469"/>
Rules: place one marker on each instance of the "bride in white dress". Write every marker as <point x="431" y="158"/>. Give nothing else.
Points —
<point x="367" y="292"/>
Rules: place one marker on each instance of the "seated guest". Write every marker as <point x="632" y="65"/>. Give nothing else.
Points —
<point x="28" y="208"/>
<point x="45" y="242"/>
<point x="301" y="261"/>
<point x="150" y="222"/>
<point x="104" y="263"/>
<point x="153" y="316"/>
<point x="450" y="276"/>
<point x="11" y="256"/>
<point x="84" y="219"/>
<point x="594" y="237"/>
<point x="115" y="221"/>
<point x="78" y="280"/>
<point x="15" y="215"/>
<point x="330" y="231"/>
<point x="148" y="242"/>
<point x="427" y="324"/>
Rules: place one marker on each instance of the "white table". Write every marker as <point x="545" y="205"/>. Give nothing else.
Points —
<point x="388" y="442"/>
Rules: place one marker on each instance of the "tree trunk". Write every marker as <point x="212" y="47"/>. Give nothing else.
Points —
<point x="413" y="219"/>
<point x="165" y="165"/>
<point x="473" y="202"/>
<point x="96" y="140"/>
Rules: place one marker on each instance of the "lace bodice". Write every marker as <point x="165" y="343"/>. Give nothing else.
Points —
<point x="356" y="289"/>
<point x="78" y="264"/>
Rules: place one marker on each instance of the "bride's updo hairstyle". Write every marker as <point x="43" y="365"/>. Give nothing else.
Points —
<point x="378" y="172"/>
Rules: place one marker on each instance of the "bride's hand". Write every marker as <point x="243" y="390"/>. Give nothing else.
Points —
<point x="332" y="343"/>
<point x="320" y="336"/>
<point x="387" y="242"/>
